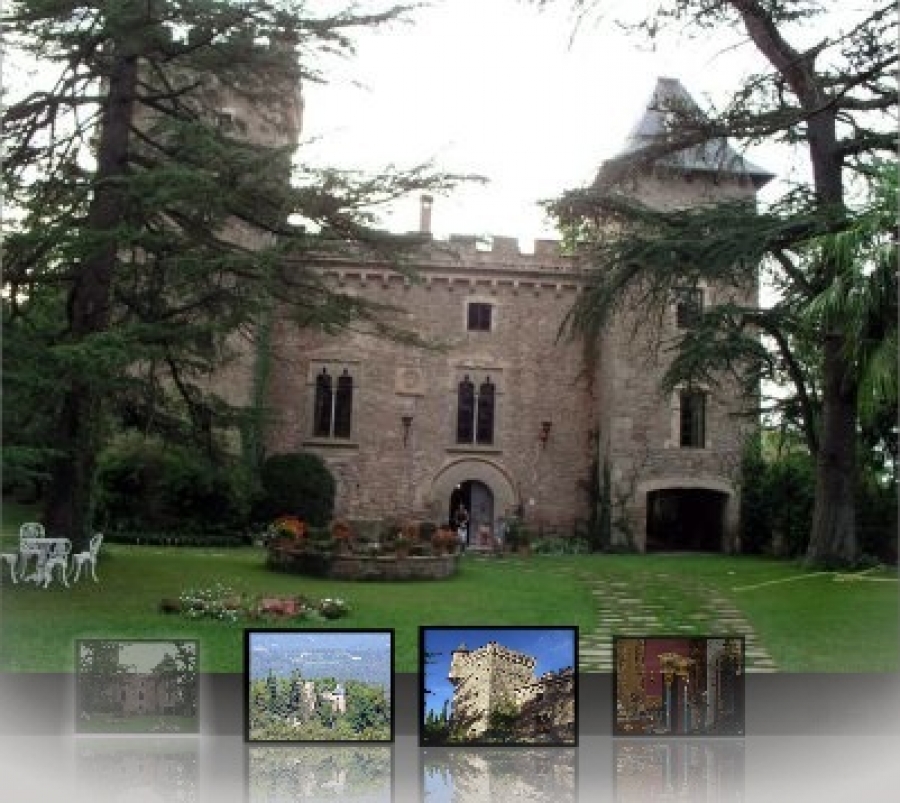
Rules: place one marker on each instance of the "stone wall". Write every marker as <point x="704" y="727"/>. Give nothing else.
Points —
<point x="386" y="470"/>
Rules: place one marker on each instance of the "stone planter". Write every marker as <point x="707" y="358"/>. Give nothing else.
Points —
<point x="413" y="567"/>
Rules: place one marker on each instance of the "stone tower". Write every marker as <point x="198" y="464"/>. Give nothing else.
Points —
<point x="482" y="680"/>
<point x="673" y="459"/>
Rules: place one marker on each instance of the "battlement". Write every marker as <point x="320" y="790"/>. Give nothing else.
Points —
<point x="496" y="651"/>
<point x="506" y="247"/>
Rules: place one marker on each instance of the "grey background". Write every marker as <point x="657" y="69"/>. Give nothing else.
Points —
<point x="809" y="738"/>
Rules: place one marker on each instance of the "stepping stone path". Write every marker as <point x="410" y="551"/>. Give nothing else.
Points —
<point x="620" y="613"/>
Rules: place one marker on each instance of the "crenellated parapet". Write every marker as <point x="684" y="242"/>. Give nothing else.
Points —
<point x="465" y="663"/>
<point x="465" y="264"/>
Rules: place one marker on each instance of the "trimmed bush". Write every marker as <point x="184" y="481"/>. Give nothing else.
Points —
<point x="297" y="484"/>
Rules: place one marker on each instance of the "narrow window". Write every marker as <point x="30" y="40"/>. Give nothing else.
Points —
<point x="333" y="405"/>
<point x="343" y="405"/>
<point x="475" y="411"/>
<point x="322" y="413"/>
<point x="479" y="317"/>
<point x="688" y="307"/>
<point x="465" y="411"/>
<point x="693" y="419"/>
<point x="485" y="430"/>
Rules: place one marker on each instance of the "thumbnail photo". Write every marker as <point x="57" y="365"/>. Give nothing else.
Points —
<point x="502" y="685"/>
<point x="143" y="686"/>
<point x="676" y="686"/>
<point x="319" y="685"/>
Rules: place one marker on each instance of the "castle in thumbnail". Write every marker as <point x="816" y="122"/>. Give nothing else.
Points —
<point x="506" y="419"/>
<point x="495" y="677"/>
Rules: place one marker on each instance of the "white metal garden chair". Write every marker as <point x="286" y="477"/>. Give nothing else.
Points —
<point x="58" y="556"/>
<point x="28" y="531"/>
<point x="90" y="557"/>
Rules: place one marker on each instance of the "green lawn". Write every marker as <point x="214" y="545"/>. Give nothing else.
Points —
<point x="811" y="623"/>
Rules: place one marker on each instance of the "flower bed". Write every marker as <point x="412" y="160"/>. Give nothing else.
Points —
<point x="345" y="557"/>
<point x="226" y="604"/>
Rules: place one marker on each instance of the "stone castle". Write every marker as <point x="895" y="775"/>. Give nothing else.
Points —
<point x="505" y="418"/>
<point x="494" y="676"/>
<point x="135" y="693"/>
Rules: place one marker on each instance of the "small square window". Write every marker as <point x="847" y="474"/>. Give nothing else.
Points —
<point x="688" y="306"/>
<point x="479" y="317"/>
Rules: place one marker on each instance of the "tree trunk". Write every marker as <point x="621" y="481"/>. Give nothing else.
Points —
<point x="68" y="510"/>
<point x="833" y="538"/>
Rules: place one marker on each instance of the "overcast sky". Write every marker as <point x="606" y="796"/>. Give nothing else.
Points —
<point x="502" y="89"/>
<point x="499" y="88"/>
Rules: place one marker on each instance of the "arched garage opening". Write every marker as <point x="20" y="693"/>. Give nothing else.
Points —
<point x="686" y="519"/>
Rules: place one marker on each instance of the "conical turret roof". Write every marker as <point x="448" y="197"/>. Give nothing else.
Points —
<point x="713" y="156"/>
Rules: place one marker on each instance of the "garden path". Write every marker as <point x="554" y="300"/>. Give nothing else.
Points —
<point x="647" y="605"/>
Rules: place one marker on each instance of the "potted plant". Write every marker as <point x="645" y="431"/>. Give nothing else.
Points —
<point x="444" y="541"/>
<point x="402" y="545"/>
<point x="517" y="539"/>
<point x="342" y="534"/>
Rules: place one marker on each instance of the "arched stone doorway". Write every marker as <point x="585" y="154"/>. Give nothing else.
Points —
<point x="484" y="488"/>
<point x="478" y="500"/>
<point x="686" y="519"/>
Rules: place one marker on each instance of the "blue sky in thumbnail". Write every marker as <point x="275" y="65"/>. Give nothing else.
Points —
<point x="553" y="647"/>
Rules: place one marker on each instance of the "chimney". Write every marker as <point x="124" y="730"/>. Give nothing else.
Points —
<point x="425" y="214"/>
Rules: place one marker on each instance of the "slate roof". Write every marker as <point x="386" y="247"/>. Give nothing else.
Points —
<point x="713" y="156"/>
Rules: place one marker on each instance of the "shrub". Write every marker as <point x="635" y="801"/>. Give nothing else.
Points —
<point x="147" y="485"/>
<point x="561" y="545"/>
<point x="297" y="484"/>
<point x="777" y="502"/>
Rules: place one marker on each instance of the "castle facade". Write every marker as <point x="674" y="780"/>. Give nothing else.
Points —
<point x="507" y="417"/>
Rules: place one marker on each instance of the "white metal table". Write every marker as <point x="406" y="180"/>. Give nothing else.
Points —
<point x="47" y="553"/>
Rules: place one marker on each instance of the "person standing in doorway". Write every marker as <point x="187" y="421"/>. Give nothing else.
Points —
<point x="461" y="522"/>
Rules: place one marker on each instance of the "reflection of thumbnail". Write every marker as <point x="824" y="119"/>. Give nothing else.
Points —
<point x="143" y="686"/>
<point x="679" y="686"/>
<point x="358" y="773"/>
<point x="146" y="770"/>
<point x="457" y="775"/>
<point x="694" y="772"/>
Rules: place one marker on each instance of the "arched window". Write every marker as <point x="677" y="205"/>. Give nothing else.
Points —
<point x="485" y="406"/>
<point x="475" y="411"/>
<point x="333" y="405"/>
<point x="323" y="405"/>
<point x="465" y="411"/>
<point x="343" y="405"/>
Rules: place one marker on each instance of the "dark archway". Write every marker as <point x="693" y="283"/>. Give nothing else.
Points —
<point x="479" y="503"/>
<point x="686" y="519"/>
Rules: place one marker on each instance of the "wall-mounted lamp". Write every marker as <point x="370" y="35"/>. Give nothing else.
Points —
<point x="406" y="420"/>
<point x="545" y="432"/>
